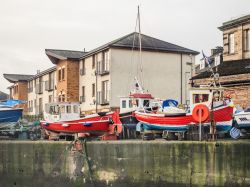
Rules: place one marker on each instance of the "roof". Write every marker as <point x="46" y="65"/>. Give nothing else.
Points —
<point x="55" y="54"/>
<point x="235" y="22"/>
<point x="52" y="69"/>
<point x="3" y="96"/>
<point x="228" y="68"/>
<point x="16" y="77"/>
<point x="148" y="43"/>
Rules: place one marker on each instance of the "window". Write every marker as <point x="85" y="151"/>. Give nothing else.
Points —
<point x="68" y="109"/>
<point x="105" y="91"/>
<point x="105" y="61"/>
<point x="40" y="105"/>
<point x="63" y="97"/>
<point x="146" y="103"/>
<point x="93" y="90"/>
<point x="82" y="70"/>
<point x="59" y="75"/>
<point x="62" y="109"/>
<point x="231" y="43"/>
<point x="82" y="98"/>
<point x="94" y="57"/>
<point x="200" y="98"/>
<point x="50" y="98"/>
<point x="75" y="108"/>
<point x="246" y="41"/>
<point x="63" y="73"/>
<point x="83" y="91"/>
<point x="130" y="103"/>
<point x="124" y="104"/>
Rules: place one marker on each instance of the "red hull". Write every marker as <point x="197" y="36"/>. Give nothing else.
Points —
<point x="221" y="114"/>
<point x="93" y="124"/>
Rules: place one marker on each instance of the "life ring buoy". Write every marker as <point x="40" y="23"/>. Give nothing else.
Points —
<point x="200" y="117"/>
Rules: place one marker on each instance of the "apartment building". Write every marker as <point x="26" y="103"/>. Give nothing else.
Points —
<point x="18" y="89"/>
<point x="41" y="89"/>
<point x="108" y="72"/>
<point x="98" y="78"/>
<point x="234" y="68"/>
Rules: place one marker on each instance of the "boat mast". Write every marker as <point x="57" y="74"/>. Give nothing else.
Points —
<point x="140" y="45"/>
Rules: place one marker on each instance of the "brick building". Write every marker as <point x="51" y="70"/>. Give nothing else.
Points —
<point x="67" y="70"/>
<point x="18" y="90"/>
<point x="234" y="70"/>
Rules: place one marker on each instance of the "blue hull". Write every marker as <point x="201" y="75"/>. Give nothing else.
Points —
<point x="171" y="128"/>
<point x="183" y="128"/>
<point x="10" y="115"/>
<point x="244" y="126"/>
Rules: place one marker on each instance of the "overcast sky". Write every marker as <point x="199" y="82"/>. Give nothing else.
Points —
<point x="27" y="27"/>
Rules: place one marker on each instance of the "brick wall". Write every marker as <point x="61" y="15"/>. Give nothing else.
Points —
<point x="70" y="85"/>
<point x="239" y="93"/>
<point x="73" y="80"/>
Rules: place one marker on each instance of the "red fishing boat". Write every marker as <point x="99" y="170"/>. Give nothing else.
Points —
<point x="64" y="118"/>
<point x="200" y="108"/>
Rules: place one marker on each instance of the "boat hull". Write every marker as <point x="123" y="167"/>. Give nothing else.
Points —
<point x="243" y="121"/>
<point x="94" y="125"/>
<point x="222" y="117"/>
<point x="9" y="117"/>
<point x="128" y="120"/>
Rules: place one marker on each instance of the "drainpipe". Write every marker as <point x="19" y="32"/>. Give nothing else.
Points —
<point x="181" y="80"/>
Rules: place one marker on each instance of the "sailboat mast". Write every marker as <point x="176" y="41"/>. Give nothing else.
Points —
<point x="139" y="24"/>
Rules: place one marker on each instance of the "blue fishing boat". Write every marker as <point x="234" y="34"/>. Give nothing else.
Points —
<point x="9" y="115"/>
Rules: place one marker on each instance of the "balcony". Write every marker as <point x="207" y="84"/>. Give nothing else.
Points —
<point x="49" y="85"/>
<point x="103" y="68"/>
<point x="82" y="99"/>
<point x="82" y="71"/>
<point x="39" y="88"/>
<point x="30" y="89"/>
<point x="103" y="97"/>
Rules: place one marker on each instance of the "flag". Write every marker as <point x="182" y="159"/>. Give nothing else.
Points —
<point x="206" y="59"/>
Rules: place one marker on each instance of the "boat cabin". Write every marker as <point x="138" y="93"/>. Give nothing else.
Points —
<point x="62" y="111"/>
<point x="136" y="101"/>
<point x="206" y="96"/>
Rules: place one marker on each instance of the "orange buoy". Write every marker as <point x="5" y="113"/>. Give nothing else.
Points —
<point x="200" y="113"/>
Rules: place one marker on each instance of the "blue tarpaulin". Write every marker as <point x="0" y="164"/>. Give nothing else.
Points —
<point x="12" y="102"/>
<point x="169" y="102"/>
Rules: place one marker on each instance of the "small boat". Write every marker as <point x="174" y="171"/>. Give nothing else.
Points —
<point x="64" y="118"/>
<point x="243" y="119"/>
<point x="200" y="100"/>
<point x="9" y="116"/>
<point x="137" y="100"/>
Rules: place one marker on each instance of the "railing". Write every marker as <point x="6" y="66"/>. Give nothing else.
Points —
<point x="103" y="97"/>
<point x="82" y="98"/>
<point x="39" y="88"/>
<point x="83" y="71"/>
<point x="103" y="67"/>
<point x="49" y="85"/>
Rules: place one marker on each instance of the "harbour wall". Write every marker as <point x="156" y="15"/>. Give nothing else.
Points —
<point x="124" y="163"/>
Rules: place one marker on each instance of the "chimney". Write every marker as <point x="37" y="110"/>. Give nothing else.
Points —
<point x="37" y="71"/>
